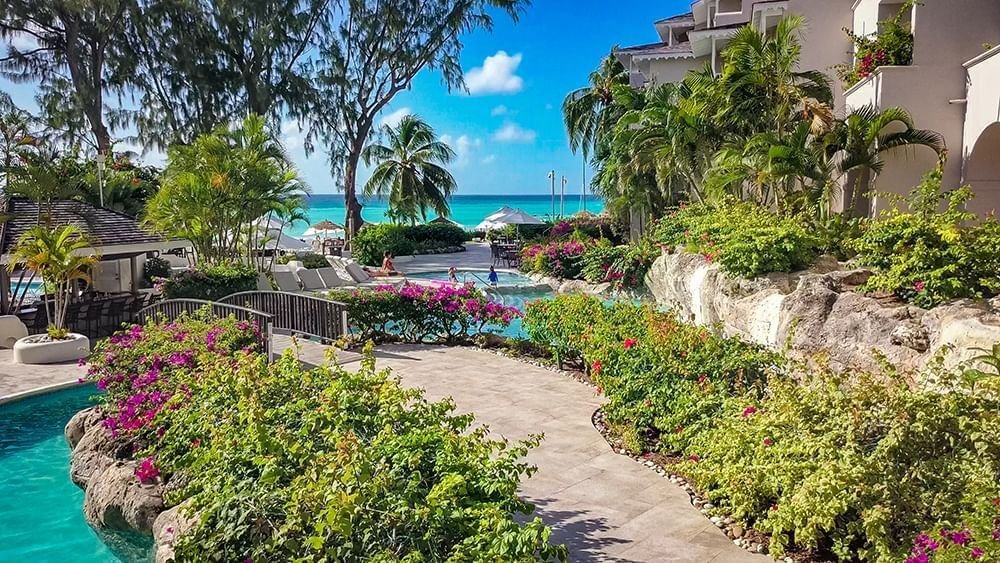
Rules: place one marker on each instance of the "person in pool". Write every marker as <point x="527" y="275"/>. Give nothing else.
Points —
<point x="453" y="274"/>
<point x="494" y="279"/>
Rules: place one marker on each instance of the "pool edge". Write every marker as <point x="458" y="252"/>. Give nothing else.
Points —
<point x="20" y="395"/>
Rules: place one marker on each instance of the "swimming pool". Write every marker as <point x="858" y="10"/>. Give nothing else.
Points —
<point x="41" y="514"/>
<point x="478" y="277"/>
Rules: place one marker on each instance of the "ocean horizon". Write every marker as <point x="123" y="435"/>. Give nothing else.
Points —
<point x="466" y="210"/>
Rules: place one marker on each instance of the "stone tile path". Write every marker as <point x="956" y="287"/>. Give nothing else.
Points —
<point x="16" y="379"/>
<point x="604" y="506"/>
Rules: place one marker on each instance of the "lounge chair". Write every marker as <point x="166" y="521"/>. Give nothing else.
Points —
<point x="333" y="279"/>
<point x="286" y="281"/>
<point x="311" y="281"/>
<point x="263" y="284"/>
<point x="357" y="273"/>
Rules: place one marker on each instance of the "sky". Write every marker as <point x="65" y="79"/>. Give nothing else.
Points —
<point x="507" y="130"/>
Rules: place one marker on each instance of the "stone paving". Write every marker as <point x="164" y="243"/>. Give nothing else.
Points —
<point x="17" y="379"/>
<point x="604" y="506"/>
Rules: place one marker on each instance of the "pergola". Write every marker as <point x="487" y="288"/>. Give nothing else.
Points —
<point x="114" y="235"/>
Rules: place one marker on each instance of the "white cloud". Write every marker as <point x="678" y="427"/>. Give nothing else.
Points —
<point x="500" y="110"/>
<point x="291" y="135"/>
<point x="513" y="133"/>
<point x="496" y="76"/>
<point x="392" y="119"/>
<point x="489" y="159"/>
<point x="464" y="146"/>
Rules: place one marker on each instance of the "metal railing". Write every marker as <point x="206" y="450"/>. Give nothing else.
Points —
<point x="296" y="313"/>
<point x="171" y="309"/>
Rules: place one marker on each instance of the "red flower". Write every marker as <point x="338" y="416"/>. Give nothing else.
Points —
<point x="774" y="507"/>
<point x="195" y="443"/>
<point x="694" y="458"/>
<point x="749" y="411"/>
<point x="600" y="390"/>
<point x="648" y="402"/>
<point x="703" y="335"/>
<point x="996" y="502"/>
<point x="595" y="367"/>
<point x="629" y="343"/>
<point x="768" y="442"/>
<point x="919" y="286"/>
<point x="136" y="181"/>
<point x="702" y="379"/>
<point x="679" y="429"/>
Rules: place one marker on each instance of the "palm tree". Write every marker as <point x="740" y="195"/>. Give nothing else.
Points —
<point x="410" y="171"/>
<point x="54" y="254"/>
<point x="44" y="177"/>
<point x="858" y="142"/>
<point x="590" y="113"/>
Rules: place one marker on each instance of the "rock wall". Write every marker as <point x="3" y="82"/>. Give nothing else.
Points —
<point x="818" y="312"/>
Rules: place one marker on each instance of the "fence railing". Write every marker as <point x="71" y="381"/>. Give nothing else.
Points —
<point x="296" y="313"/>
<point x="173" y="308"/>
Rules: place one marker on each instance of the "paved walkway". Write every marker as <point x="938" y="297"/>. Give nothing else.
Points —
<point x="604" y="506"/>
<point x="17" y="379"/>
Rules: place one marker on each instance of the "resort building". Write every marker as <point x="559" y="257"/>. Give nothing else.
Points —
<point x="952" y="85"/>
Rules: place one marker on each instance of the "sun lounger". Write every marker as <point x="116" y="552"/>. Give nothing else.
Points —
<point x="311" y="281"/>
<point x="333" y="279"/>
<point x="286" y="281"/>
<point x="357" y="273"/>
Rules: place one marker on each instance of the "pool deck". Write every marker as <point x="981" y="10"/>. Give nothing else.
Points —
<point x="18" y="381"/>
<point x="477" y="256"/>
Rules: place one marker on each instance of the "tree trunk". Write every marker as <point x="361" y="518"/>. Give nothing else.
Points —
<point x="352" y="217"/>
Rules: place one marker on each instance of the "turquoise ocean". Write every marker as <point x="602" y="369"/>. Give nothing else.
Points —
<point x="466" y="210"/>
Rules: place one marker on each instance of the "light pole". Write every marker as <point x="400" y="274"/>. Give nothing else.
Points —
<point x="562" y="198"/>
<point x="552" y="178"/>
<point x="100" y="175"/>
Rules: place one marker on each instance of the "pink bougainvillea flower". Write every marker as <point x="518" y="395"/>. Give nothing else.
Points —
<point x="919" y="286"/>
<point x="595" y="367"/>
<point x="976" y="553"/>
<point x="702" y="379"/>
<point x="629" y="343"/>
<point x="749" y="411"/>
<point x="647" y="402"/>
<point x="768" y="442"/>
<point x="918" y="558"/>
<point x="600" y="390"/>
<point x="147" y="470"/>
<point x="996" y="502"/>
<point x="774" y="507"/>
<point x="679" y="429"/>
<point x="195" y="443"/>
<point x="694" y="458"/>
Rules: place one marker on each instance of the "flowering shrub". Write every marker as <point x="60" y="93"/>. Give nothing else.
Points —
<point x="853" y="465"/>
<point x="281" y="463"/>
<point x="892" y="45"/>
<point x="418" y="313"/>
<point x="747" y="239"/>
<point x="560" y="259"/>
<point x="926" y="256"/>
<point x="373" y="240"/>
<point x="624" y="267"/>
<point x="210" y="283"/>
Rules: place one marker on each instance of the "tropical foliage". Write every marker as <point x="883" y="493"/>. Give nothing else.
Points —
<point x="54" y="255"/>
<point x="852" y="466"/>
<point x="327" y="456"/>
<point x="409" y="171"/>
<point x="222" y="191"/>
<point x="891" y="45"/>
<point x="209" y="284"/>
<point x="373" y="241"/>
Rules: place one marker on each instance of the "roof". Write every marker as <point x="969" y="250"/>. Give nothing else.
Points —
<point x="105" y="228"/>
<point x="682" y="18"/>
<point x="657" y="49"/>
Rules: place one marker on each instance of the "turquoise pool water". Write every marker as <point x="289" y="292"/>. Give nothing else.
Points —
<point x="41" y="510"/>
<point x="478" y="277"/>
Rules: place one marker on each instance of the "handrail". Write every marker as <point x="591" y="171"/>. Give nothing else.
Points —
<point x="173" y="308"/>
<point x="297" y="313"/>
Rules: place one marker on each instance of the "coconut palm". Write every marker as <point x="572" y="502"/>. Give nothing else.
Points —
<point x="44" y="177"/>
<point x="590" y="113"/>
<point x="859" y="142"/>
<point x="410" y="171"/>
<point x="55" y="255"/>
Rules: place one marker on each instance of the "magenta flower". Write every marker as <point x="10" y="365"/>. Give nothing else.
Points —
<point x="629" y="343"/>
<point x="147" y="470"/>
<point x="749" y="411"/>
<point x="919" y="286"/>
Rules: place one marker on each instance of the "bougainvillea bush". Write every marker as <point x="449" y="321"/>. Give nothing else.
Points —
<point x="560" y="259"/>
<point x="624" y="267"/>
<point x="423" y="313"/>
<point x="281" y="463"/>
<point x="855" y="466"/>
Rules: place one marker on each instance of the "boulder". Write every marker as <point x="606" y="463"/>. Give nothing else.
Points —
<point x="79" y="424"/>
<point x="94" y="451"/>
<point x="168" y="526"/>
<point x="116" y="499"/>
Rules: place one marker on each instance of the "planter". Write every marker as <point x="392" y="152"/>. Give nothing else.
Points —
<point x="40" y="349"/>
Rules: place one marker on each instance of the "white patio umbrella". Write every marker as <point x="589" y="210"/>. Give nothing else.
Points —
<point x="519" y="217"/>
<point x="488" y="225"/>
<point x="272" y="233"/>
<point x="498" y="213"/>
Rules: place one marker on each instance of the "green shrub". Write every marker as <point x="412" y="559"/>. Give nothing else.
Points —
<point x="560" y="259"/>
<point x="282" y="463"/>
<point x="372" y="241"/>
<point x="853" y="465"/>
<point x="414" y="313"/>
<point x="210" y="284"/>
<point x="155" y="268"/>
<point x="927" y="256"/>
<point x="745" y="238"/>
<point x="310" y="260"/>
<point x="624" y="267"/>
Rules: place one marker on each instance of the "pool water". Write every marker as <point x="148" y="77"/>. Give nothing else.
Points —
<point x="478" y="277"/>
<point x="520" y="299"/>
<point x="41" y="510"/>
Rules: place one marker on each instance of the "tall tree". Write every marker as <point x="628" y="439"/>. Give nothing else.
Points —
<point x="590" y="113"/>
<point x="409" y="170"/>
<point x="65" y="45"/>
<point x="196" y="64"/>
<point x="374" y="53"/>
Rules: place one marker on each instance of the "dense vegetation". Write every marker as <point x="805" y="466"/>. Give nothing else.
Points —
<point x="373" y="241"/>
<point x="857" y="466"/>
<point x="419" y="314"/>
<point x="283" y="463"/>
<point x="209" y="284"/>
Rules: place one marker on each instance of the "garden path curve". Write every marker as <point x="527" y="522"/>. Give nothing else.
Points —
<point x="603" y="506"/>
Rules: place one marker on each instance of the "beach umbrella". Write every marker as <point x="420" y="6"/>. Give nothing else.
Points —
<point x="271" y="233"/>
<point x="490" y="226"/>
<point x="323" y="229"/>
<point x="498" y="213"/>
<point x="519" y="217"/>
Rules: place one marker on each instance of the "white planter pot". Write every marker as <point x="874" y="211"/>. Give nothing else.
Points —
<point x="37" y="349"/>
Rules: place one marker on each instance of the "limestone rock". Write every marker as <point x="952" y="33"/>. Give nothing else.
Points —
<point x="168" y="526"/>
<point x="912" y="336"/>
<point x="79" y="424"/>
<point x="116" y="499"/>
<point x="96" y="450"/>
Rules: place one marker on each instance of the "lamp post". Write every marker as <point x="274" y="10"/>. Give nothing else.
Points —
<point x="552" y="178"/>
<point x="100" y="175"/>
<point x="562" y="199"/>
